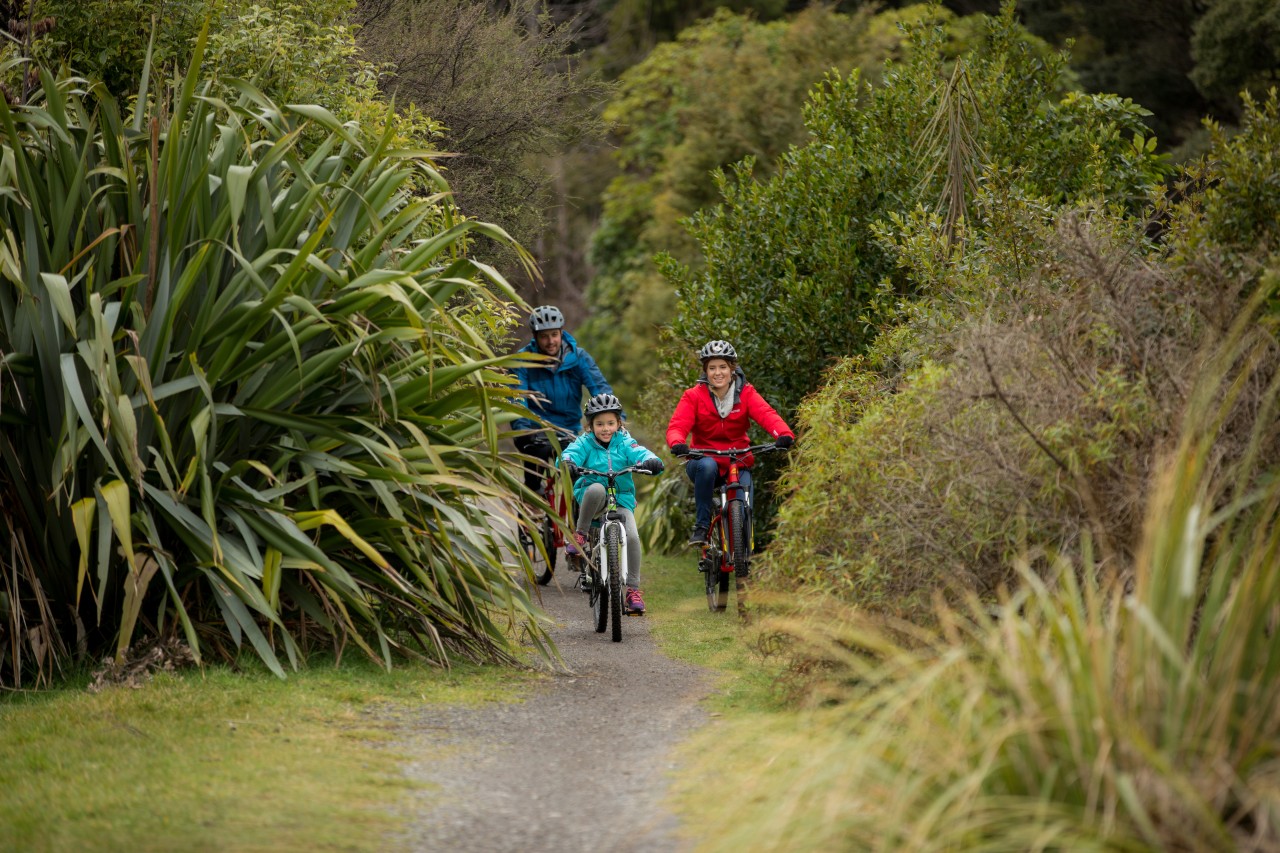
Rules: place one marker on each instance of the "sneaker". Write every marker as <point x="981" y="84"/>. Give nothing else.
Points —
<point x="635" y="603"/>
<point x="577" y="544"/>
<point x="699" y="536"/>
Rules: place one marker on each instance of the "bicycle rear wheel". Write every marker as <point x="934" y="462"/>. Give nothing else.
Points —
<point x="599" y="605"/>
<point x="717" y="576"/>
<point x="599" y="595"/>
<point x="613" y="548"/>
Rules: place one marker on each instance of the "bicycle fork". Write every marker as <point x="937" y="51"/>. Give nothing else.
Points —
<point x="603" y="552"/>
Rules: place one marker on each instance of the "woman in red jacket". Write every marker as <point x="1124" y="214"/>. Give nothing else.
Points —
<point x="714" y="414"/>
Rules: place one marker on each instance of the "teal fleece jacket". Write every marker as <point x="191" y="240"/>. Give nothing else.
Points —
<point x="623" y="452"/>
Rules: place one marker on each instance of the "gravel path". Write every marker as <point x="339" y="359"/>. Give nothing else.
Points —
<point x="579" y="766"/>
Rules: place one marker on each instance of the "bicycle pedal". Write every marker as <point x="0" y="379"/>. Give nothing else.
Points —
<point x="635" y="612"/>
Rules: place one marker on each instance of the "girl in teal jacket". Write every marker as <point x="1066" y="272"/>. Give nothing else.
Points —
<point x="606" y="446"/>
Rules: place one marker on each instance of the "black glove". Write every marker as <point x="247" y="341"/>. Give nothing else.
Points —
<point x="538" y="445"/>
<point x="783" y="442"/>
<point x="680" y="449"/>
<point x="653" y="466"/>
<point x="574" y="471"/>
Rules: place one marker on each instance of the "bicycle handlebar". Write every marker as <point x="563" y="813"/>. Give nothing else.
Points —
<point x="698" y="453"/>
<point x="618" y="473"/>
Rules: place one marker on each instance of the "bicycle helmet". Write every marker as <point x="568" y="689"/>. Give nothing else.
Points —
<point x="601" y="403"/>
<point x="546" y="317"/>
<point x="717" y="349"/>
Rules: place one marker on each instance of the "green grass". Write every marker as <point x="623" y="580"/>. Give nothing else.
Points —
<point x="750" y="725"/>
<point x="220" y="761"/>
<point x="686" y="630"/>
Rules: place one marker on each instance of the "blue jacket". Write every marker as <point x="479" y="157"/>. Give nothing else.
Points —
<point x="559" y="389"/>
<point x="623" y="452"/>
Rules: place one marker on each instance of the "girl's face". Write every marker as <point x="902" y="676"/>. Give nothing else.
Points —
<point x="604" y="426"/>
<point x="719" y="374"/>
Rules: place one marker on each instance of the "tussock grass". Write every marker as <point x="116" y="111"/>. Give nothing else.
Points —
<point x="1075" y="714"/>
<point x="225" y="761"/>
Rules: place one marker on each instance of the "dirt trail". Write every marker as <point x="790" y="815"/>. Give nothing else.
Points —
<point x="581" y="765"/>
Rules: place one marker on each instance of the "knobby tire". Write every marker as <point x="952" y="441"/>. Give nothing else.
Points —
<point x="717" y="577"/>
<point x="613" y="547"/>
<point x="599" y="608"/>
<point x="542" y="571"/>
<point x="741" y="553"/>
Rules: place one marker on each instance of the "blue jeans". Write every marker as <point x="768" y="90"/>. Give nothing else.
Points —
<point x="705" y="474"/>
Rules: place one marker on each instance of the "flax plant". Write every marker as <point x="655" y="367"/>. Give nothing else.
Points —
<point x="1073" y="715"/>
<point x="242" y="397"/>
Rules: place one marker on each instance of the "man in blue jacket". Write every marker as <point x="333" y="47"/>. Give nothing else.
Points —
<point x="555" y="390"/>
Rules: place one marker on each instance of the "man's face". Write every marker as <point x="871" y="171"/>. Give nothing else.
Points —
<point x="548" y="341"/>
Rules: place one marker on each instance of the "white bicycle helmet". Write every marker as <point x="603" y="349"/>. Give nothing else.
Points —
<point x="546" y="317"/>
<point x="601" y="403"/>
<point x="717" y="349"/>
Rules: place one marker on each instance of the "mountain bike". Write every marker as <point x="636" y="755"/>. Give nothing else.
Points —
<point x="604" y="575"/>
<point x="549" y="528"/>
<point x="727" y="550"/>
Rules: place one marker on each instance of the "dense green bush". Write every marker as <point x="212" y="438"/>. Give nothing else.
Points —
<point x="1079" y="711"/>
<point x="796" y="274"/>
<point x="1017" y="409"/>
<point x="245" y="387"/>
<point x="728" y="87"/>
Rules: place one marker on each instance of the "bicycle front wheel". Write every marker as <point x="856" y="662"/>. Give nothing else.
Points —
<point x="739" y="540"/>
<point x="613" y="548"/>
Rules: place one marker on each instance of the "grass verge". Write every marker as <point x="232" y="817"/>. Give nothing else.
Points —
<point x="751" y="725"/>
<point x="219" y="760"/>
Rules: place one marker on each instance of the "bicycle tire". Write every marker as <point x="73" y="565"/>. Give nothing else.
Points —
<point x="613" y="549"/>
<point x="741" y="545"/>
<point x="717" y="577"/>
<point x="537" y="562"/>
<point x="549" y="542"/>
<point x="599" y="607"/>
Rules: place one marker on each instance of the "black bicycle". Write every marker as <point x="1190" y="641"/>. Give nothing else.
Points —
<point x="730" y="539"/>
<point x="604" y="570"/>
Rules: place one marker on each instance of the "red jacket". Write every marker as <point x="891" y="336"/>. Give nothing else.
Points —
<point x="697" y="422"/>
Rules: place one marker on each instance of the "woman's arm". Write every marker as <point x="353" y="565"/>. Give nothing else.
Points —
<point x="681" y="420"/>
<point x="763" y="414"/>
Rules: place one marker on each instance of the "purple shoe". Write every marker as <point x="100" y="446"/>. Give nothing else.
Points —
<point x="576" y="545"/>
<point x="635" y="604"/>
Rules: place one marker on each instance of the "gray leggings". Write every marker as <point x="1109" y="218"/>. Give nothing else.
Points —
<point x="590" y="505"/>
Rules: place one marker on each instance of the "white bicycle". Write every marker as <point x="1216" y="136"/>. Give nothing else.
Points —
<point x="604" y="575"/>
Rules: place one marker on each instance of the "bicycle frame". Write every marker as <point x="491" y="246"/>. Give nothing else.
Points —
<point x="551" y="529"/>
<point x="725" y="551"/>
<point x="609" y="515"/>
<point x="606" y="579"/>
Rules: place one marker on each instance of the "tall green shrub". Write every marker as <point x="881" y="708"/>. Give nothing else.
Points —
<point x="240" y="394"/>
<point x="1076" y="713"/>
<point x="796" y="274"/>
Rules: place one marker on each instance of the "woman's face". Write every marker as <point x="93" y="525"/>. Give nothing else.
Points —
<point x="719" y="374"/>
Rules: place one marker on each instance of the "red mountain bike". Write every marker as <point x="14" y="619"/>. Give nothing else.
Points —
<point x="729" y="539"/>
<point x="549" y="528"/>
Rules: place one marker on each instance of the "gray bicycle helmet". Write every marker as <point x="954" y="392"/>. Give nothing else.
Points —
<point x="601" y="403"/>
<point x="717" y="349"/>
<point x="546" y="317"/>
